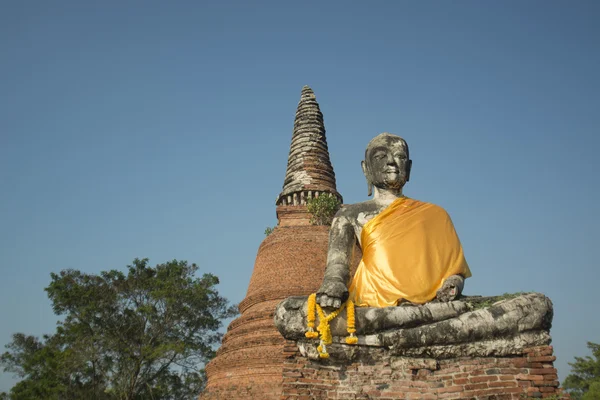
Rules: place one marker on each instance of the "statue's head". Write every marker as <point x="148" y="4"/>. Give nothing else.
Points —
<point x="387" y="164"/>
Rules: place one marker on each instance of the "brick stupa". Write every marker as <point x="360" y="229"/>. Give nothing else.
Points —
<point x="290" y="262"/>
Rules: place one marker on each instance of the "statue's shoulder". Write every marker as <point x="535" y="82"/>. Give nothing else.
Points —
<point x="352" y="211"/>
<point x="355" y="215"/>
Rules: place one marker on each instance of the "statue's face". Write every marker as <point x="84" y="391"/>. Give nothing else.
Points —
<point x="387" y="164"/>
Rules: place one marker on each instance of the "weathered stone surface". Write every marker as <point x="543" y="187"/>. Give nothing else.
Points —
<point x="440" y="330"/>
<point x="378" y="373"/>
<point x="290" y="317"/>
<point x="309" y="172"/>
<point x="500" y="347"/>
<point x="504" y="319"/>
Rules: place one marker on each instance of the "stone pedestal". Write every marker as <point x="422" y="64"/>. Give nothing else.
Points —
<point x="378" y="374"/>
<point x="473" y="348"/>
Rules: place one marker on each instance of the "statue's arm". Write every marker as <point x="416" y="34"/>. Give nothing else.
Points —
<point x="334" y="289"/>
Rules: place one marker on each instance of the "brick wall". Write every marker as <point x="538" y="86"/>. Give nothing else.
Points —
<point x="529" y="375"/>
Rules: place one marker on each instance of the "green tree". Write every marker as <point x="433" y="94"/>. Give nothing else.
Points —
<point x="144" y="334"/>
<point x="584" y="381"/>
<point x="322" y="208"/>
<point x="45" y="367"/>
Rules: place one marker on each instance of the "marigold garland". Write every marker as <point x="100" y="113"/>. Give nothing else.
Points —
<point x="324" y="327"/>
<point x="310" y="316"/>
<point x="351" y="328"/>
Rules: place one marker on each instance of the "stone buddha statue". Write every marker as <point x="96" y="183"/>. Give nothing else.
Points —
<point x="444" y="345"/>
<point x="411" y="253"/>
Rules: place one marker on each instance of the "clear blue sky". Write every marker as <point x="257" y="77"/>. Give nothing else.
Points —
<point x="161" y="129"/>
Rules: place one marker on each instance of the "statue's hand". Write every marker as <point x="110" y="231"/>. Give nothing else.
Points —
<point x="332" y="294"/>
<point x="451" y="289"/>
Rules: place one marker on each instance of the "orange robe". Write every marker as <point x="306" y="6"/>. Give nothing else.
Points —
<point x="409" y="249"/>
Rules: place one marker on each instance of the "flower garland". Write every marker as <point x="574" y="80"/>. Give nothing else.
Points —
<point x="312" y="301"/>
<point x="324" y="327"/>
<point x="351" y="327"/>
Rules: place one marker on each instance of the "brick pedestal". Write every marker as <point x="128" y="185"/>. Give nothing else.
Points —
<point x="383" y="376"/>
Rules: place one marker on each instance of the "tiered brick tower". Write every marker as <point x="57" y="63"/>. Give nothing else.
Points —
<point x="290" y="262"/>
<point x="309" y="171"/>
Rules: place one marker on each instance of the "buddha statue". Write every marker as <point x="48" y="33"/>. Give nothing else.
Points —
<point x="411" y="252"/>
<point x="411" y="255"/>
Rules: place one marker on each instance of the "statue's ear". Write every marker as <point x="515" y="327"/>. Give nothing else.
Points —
<point x="408" y="168"/>
<point x="368" y="176"/>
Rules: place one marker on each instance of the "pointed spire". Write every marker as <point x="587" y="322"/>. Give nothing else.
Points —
<point x="309" y="172"/>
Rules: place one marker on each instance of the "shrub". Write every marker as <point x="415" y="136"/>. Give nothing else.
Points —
<point x="323" y="208"/>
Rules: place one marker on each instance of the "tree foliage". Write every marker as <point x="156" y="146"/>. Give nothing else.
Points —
<point x="584" y="381"/>
<point x="144" y="334"/>
<point x="322" y="209"/>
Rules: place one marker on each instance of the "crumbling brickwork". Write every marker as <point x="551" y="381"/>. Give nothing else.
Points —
<point x="290" y="262"/>
<point x="249" y="364"/>
<point x="309" y="171"/>
<point x="383" y="376"/>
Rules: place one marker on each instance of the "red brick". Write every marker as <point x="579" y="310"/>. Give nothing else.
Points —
<point x="538" y="365"/>
<point x="422" y="396"/>
<point x="478" y="379"/>
<point x="510" y="371"/>
<point x="541" y="359"/>
<point x="476" y="386"/>
<point x="451" y="389"/>
<point x="542" y="371"/>
<point x="547" y="383"/>
<point x="527" y="377"/>
<point x="537" y="349"/>
<point x="502" y="384"/>
<point x="449" y="396"/>
<point x="520" y="362"/>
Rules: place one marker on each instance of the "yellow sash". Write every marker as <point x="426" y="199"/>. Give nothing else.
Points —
<point x="409" y="249"/>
